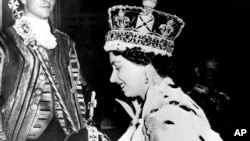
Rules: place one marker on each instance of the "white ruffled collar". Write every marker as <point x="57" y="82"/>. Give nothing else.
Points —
<point x="35" y="28"/>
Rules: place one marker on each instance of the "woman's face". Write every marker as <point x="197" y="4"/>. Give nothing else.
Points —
<point x="38" y="8"/>
<point x="129" y="76"/>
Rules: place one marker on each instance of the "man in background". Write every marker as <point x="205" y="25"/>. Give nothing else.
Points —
<point x="207" y="93"/>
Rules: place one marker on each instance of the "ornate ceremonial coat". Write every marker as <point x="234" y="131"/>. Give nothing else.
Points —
<point x="28" y="103"/>
<point x="168" y="114"/>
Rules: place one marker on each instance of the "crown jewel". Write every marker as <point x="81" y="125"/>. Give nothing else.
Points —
<point x="145" y="27"/>
<point x="149" y="3"/>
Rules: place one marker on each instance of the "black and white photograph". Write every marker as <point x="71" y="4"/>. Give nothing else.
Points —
<point x="124" y="70"/>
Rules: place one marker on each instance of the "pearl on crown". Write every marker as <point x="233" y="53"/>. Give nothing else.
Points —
<point x="149" y="3"/>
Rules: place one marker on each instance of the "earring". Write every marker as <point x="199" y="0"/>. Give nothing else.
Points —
<point x="146" y="80"/>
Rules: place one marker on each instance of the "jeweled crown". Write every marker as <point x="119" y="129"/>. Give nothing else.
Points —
<point x="145" y="27"/>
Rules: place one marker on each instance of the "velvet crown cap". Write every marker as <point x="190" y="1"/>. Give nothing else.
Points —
<point x="144" y="27"/>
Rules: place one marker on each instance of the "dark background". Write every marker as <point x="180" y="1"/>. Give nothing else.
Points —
<point x="217" y="28"/>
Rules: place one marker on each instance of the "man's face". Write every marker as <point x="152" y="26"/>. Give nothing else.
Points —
<point x="209" y="73"/>
<point x="38" y="8"/>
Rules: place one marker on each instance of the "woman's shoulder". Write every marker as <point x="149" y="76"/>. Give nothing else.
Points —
<point x="178" y="117"/>
<point x="176" y="107"/>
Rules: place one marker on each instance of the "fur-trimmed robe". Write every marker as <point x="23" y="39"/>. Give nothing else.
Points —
<point x="169" y="114"/>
